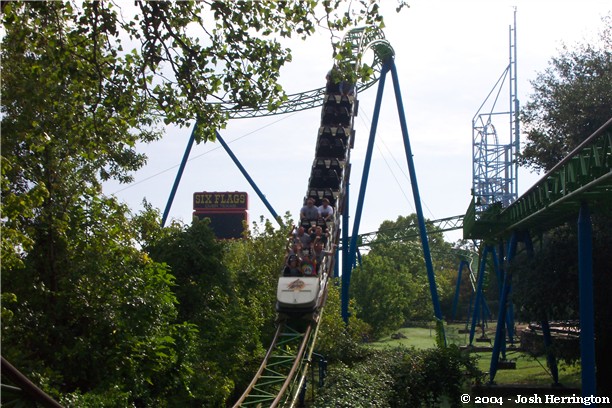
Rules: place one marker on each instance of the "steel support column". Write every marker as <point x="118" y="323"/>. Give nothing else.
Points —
<point x="346" y="274"/>
<point x="462" y="263"/>
<point x="179" y="174"/>
<point x="500" y="332"/>
<point x="417" y="198"/>
<point x="346" y="270"/>
<point x="249" y="179"/>
<point x="587" y="311"/>
<point x="478" y="301"/>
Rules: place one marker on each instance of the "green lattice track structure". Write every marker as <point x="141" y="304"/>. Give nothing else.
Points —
<point x="281" y="376"/>
<point x="584" y="175"/>
<point x="396" y="234"/>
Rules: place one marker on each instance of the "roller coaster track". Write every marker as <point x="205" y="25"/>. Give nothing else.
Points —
<point x="359" y="40"/>
<point x="382" y="237"/>
<point x="282" y="374"/>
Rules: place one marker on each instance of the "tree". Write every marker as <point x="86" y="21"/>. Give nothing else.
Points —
<point x="338" y="341"/>
<point x="391" y="286"/>
<point x="227" y="291"/>
<point x="110" y="310"/>
<point x="399" y="377"/>
<point x="571" y="100"/>
<point x="75" y="104"/>
<point x="71" y="90"/>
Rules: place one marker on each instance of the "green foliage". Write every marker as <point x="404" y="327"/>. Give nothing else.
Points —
<point x="338" y="341"/>
<point x="400" y="377"/>
<point x="366" y="383"/>
<point x="227" y="290"/>
<point x="391" y="286"/>
<point x="87" y="314"/>
<point x="111" y="398"/>
<point x="382" y="293"/>
<point x="424" y="378"/>
<point x="180" y="56"/>
<point x="99" y="306"/>
<point x="440" y="334"/>
<point x="571" y="100"/>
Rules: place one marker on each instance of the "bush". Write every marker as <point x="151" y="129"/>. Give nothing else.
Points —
<point x="424" y="377"/>
<point x="399" y="378"/>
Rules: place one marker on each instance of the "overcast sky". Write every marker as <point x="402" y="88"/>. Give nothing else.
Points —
<point x="449" y="55"/>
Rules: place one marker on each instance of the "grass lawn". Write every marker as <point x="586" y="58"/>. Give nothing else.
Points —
<point x="529" y="371"/>
<point x="417" y="337"/>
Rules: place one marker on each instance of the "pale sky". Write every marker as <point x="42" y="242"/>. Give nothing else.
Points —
<point x="449" y="55"/>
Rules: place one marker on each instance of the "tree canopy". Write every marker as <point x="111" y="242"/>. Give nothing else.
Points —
<point x="391" y="287"/>
<point x="571" y="100"/>
<point x="88" y="313"/>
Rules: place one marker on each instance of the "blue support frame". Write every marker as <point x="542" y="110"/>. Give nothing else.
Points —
<point x="499" y="343"/>
<point x="179" y="174"/>
<point x="587" y="310"/>
<point x="505" y="322"/>
<point x="462" y="263"/>
<point x="346" y="272"/>
<point x="249" y="179"/>
<point x="390" y="66"/>
<point x="246" y="175"/>
<point x="479" y="283"/>
<point x="417" y="199"/>
<point x="346" y="269"/>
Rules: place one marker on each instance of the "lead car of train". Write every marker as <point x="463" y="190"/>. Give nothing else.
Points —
<point x="299" y="296"/>
<point x="301" y="290"/>
<point x="303" y="295"/>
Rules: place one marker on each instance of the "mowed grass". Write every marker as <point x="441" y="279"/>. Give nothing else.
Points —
<point x="417" y="337"/>
<point x="529" y="370"/>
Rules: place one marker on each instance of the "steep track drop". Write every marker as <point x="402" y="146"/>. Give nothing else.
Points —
<point x="281" y="376"/>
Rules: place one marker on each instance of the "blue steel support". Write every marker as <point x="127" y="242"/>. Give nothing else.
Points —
<point x="483" y="313"/>
<point x="498" y="262"/>
<point x="249" y="179"/>
<point x="417" y="198"/>
<point x="487" y="311"/>
<point x="477" y="302"/>
<point x="457" y="288"/>
<point x="179" y="174"/>
<point x="497" y="270"/>
<point x="500" y="332"/>
<point x="469" y="311"/>
<point x="346" y="274"/>
<point x="585" y="285"/>
<point x="346" y="270"/>
<point x="496" y="267"/>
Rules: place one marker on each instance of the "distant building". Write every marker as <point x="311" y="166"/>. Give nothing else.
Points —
<point x="227" y="211"/>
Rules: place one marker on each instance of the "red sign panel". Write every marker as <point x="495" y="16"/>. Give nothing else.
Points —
<point x="227" y="200"/>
